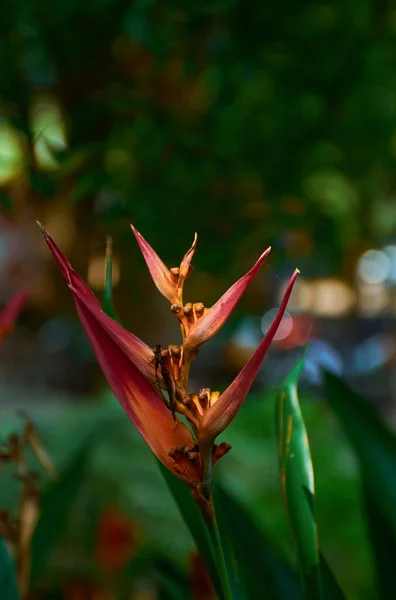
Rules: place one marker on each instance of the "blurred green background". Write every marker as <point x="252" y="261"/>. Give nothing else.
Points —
<point x="254" y="124"/>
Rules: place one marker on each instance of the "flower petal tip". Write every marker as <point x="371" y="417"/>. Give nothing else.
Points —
<point x="42" y="228"/>
<point x="135" y="232"/>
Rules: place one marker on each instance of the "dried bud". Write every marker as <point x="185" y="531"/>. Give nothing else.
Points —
<point x="175" y="351"/>
<point x="193" y="457"/>
<point x="176" y="309"/>
<point x="199" y="309"/>
<point x="203" y="397"/>
<point x="221" y="450"/>
<point x="187" y="309"/>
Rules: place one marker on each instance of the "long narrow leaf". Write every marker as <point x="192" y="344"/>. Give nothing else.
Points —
<point x="8" y="584"/>
<point x="55" y="508"/>
<point x="331" y="587"/>
<point x="373" y="442"/>
<point x="107" y="301"/>
<point x="297" y="481"/>
<point x="263" y="573"/>
<point x="383" y="544"/>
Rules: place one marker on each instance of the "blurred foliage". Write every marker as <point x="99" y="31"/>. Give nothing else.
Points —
<point x="122" y="474"/>
<point x="250" y="122"/>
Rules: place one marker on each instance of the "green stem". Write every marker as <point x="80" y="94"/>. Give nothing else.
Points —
<point x="219" y="557"/>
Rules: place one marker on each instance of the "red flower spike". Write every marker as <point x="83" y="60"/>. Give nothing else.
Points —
<point x="168" y="284"/>
<point x="11" y="312"/>
<point x="121" y="366"/>
<point x="137" y="351"/>
<point x="140" y="400"/>
<point x="223" y="411"/>
<point x="215" y="317"/>
<point x="128" y="365"/>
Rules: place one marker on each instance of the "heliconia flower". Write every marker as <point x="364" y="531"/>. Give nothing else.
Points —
<point x="11" y="312"/>
<point x="199" y="323"/>
<point x="137" y="374"/>
<point x="214" y="318"/>
<point x="223" y="411"/>
<point x="169" y="282"/>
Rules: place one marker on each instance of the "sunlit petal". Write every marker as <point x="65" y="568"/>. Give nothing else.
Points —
<point x="136" y="350"/>
<point x="220" y="415"/>
<point x="123" y="360"/>
<point x="210" y="323"/>
<point x="140" y="400"/>
<point x="160" y="273"/>
<point x="187" y="258"/>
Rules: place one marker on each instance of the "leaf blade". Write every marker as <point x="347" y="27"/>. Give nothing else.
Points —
<point x="107" y="300"/>
<point x="372" y="440"/>
<point x="8" y="582"/>
<point x="263" y="572"/>
<point x="297" y="480"/>
<point x="55" y="506"/>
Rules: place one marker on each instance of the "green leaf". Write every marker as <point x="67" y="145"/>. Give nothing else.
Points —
<point x="383" y="544"/>
<point x="55" y="507"/>
<point x="374" y="443"/>
<point x="254" y="567"/>
<point x="107" y="302"/>
<point x="150" y="564"/>
<point x="263" y="572"/>
<point x="170" y="589"/>
<point x="331" y="588"/>
<point x="297" y="481"/>
<point x="8" y="584"/>
<point x="195" y="523"/>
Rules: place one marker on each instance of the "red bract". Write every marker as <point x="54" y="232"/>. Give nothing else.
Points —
<point x="10" y="313"/>
<point x="138" y="377"/>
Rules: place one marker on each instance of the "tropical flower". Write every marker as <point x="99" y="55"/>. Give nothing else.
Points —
<point x="117" y="540"/>
<point x="152" y="385"/>
<point x="10" y="313"/>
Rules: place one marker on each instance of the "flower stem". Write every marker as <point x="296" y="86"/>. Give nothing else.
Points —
<point x="219" y="557"/>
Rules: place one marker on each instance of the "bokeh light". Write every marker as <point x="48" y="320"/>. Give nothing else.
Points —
<point x="374" y="267"/>
<point x="285" y="326"/>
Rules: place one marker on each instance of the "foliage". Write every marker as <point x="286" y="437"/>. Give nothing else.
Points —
<point x="281" y="126"/>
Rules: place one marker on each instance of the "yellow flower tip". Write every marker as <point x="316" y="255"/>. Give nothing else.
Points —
<point x="265" y="253"/>
<point x="135" y="231"/>
<point x="43" y="230"/>
<point x="297" y="271"/>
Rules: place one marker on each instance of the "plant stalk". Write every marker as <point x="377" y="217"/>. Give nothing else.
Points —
<point x="219" y="556"/>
